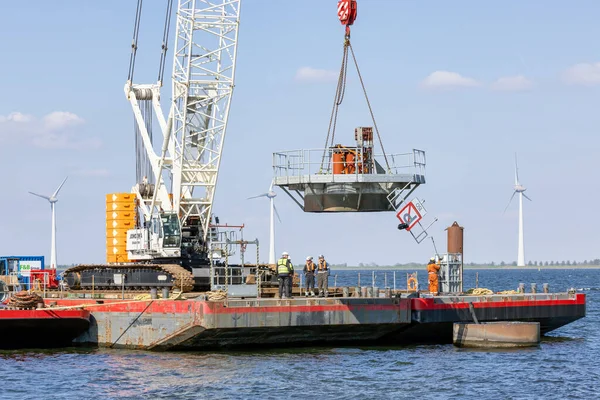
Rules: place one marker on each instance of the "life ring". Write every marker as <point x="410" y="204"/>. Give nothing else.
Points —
<point x="412" y="283"/>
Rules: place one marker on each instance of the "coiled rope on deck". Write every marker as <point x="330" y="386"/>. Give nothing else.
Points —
<point x="479" y="292"/>
<point x="24" y="301"/>
<point x="216" y="295"/>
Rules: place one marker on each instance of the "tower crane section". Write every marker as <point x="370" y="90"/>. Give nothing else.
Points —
<point x="184" y="173"/>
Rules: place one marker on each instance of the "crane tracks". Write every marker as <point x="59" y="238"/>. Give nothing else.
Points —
<point x="180" y="278"/>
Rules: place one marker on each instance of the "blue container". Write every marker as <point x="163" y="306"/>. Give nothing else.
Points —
<point x="21" y="266"/>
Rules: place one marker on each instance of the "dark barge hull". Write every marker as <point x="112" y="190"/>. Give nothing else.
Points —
<point x="432" y="319"/>
<point x="43" y="328"/>
<point x="254" y="324"/>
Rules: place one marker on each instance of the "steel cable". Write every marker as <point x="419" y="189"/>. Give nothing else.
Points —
<point x="370" y="109"/>
<point x="165" y="41"/>
<point x="337" y="101"/>
<point x="136" y="31"/>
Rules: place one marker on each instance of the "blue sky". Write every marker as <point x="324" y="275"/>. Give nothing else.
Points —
<point x="468" y="82"/>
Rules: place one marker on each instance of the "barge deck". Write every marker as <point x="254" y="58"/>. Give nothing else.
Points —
<point x="200" y="324"/>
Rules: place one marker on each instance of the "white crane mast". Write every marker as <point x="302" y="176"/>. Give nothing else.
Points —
<point x="203" y="82"/>
<point x="193" y="134"/>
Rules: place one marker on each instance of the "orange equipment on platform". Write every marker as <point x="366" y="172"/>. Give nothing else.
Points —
<point x="120" y="217"/>
<point x="359" y="159"/>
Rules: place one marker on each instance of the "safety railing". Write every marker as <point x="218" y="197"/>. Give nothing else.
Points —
<point x="311" y="161"/>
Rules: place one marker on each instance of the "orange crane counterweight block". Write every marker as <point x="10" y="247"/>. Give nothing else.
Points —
<point x="347" y="13"/>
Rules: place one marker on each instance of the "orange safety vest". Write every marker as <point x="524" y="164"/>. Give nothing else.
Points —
<point x="322" y="265"/>
<point x="310" y="266"/>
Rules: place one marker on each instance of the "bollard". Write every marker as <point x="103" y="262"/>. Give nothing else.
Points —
<point x="546" y="288"/>
<point x="388" y="292"/>
<point x="345" y="291"/>
<point x="153" y="293"/>
<point x="363" y="291"/>
<point x="534" y="288"/>
<point x="165" y="293"/>
<point x="375" y="292"/>
<point x="369" y="291"/>
<point x="356" y="291"/>
<point x="521" y="288"/>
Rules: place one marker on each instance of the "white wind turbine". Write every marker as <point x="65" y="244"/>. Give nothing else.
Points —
<point x="520" y="189"/>
<point x="52" y="199"/>
<point x="271" y="196"/>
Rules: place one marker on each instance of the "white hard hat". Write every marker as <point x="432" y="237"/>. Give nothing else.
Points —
<point x="308" y="258"/>
<point x="285" y="253"/>
<point x="321" y="256"/>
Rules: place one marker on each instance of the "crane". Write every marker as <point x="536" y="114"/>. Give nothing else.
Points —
<point x="177" y="165"/>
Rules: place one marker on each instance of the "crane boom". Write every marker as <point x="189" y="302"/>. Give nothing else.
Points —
<point x="184" y="174"/>
<point x="203" y="82"/>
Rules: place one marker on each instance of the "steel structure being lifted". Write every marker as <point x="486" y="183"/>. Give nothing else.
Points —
<point x="352" y="178"/>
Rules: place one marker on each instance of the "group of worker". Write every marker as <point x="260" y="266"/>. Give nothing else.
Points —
<point x="285" y="275"/>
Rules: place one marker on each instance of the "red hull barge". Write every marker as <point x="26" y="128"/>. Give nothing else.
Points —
<point x="198" y="324"/>
<point x="41" y="328"/>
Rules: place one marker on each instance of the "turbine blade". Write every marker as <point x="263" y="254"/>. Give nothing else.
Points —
<point x="511" y="197"/>
<point x="260" y="195"/>
<point x="524" y="195"/>
<point x="271" y="187"/>
<point x="276" y="212"/>
<point x="61" y="185"/>
<point x="516" y="171"/>
<point x="41" y="195"/>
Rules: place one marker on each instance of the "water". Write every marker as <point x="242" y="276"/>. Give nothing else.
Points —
<point x="565" y="365"/>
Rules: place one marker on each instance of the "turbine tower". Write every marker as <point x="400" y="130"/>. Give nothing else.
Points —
<point x="271" y="196"/>
<point x="520" y="189"/>
<point x="52" y="199"/>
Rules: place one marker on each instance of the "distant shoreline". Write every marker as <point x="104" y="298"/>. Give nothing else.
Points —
<point x="466" y="267"/>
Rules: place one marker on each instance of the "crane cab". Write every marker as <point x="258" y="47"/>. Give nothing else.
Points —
<point x="160" y="238"/>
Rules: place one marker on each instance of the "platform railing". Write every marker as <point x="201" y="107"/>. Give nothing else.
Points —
<point x="311" y="161"/>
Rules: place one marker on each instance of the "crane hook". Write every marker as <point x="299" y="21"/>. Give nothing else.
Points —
<point x="347" y="10"/>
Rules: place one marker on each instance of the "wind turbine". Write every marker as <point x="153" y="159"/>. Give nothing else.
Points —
<point x="520" y="189"/>
<point x="271" y="196"/>
<point x="52" y="199"/>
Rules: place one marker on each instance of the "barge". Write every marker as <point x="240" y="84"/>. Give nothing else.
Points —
<point x="202" y="324"/>
<point x="42" y="328"/>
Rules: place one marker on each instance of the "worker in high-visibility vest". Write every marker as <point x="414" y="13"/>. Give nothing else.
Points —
<point x="432" y="272"/>
<point x="309" y="275"/>
<point x="285" y="272"/>
<point x="322" y="276"/>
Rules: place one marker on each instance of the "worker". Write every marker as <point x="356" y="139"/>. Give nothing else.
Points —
<point x="309" y="275"/>
<point x="322" y="276"/>
<point x="432" y="269"/>
<point x="285" y="272"/>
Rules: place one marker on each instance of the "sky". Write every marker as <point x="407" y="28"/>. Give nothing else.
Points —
<point x="468" y="82"/>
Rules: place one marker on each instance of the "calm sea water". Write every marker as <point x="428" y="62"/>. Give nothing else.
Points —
<point x="565" y="366"/>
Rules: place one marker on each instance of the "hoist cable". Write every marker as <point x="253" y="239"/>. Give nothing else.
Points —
<point x="337" y="101"/>
<point x="136" y="31"/>
<point x="165" y="41"/>
<point x="369" y="105"/>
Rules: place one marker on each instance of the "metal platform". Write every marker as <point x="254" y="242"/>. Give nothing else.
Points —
<point x="308" y="177"/>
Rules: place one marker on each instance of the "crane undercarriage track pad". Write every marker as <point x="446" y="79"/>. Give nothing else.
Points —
<point x="137" y="277"/>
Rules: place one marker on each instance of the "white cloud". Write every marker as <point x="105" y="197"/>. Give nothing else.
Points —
<point x="58" y="120"/>
<point x="587" y="74"/>
<point x="53" y="131"/>
<point x="92" y="173"/>
<point x="309" y="74"/>
<point x="15" y="117"/>
<point x="512" y="83"/>
<point x="446" y="79"/>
